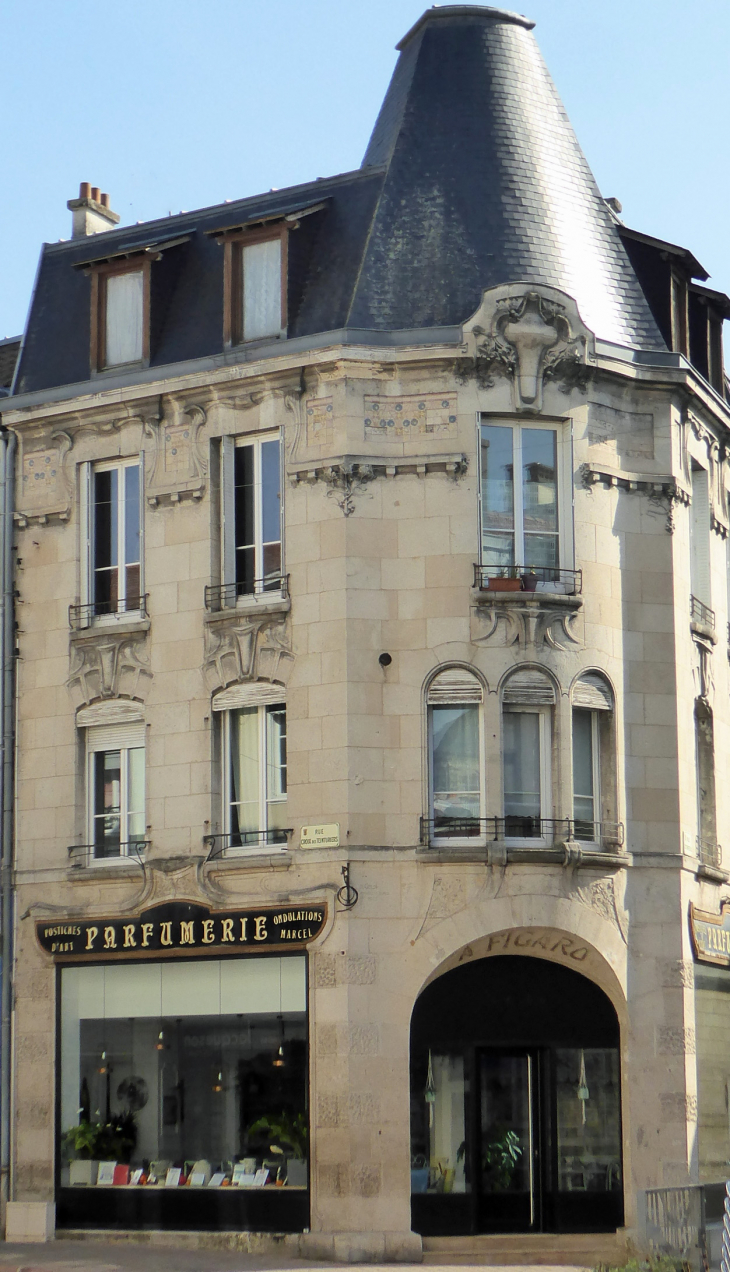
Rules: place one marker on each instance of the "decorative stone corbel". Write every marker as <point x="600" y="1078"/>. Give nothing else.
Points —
<point x="247" y="648"/>
<point x="179" y="466"/>
<point x="528" y="620"/>
<point x="530" y="333"/>
<point x="106" y="663"/>
<point x="346" y="480"/>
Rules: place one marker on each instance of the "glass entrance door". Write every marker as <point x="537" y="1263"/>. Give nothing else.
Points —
<point x="507" y="1141"/>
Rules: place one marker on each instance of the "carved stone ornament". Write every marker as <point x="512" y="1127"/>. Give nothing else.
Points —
<point x="538" y="623"/>
<point x="179" y="466"/>
<point x="247" y="648"/>
<point x="530" y="333"/>
<point x="45" y="487"/>
<point x="109" y="664"/>
<point x="347" y="476"/>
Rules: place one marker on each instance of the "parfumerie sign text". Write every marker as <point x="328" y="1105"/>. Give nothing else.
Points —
<point x="182" y="927"/>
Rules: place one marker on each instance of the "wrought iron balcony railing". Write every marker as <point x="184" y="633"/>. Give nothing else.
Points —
<point x="221" y="596"/>
<point x="234" y="841"/>
<point x="80" y="616"/>
<point x="86" y="854"/>
<point x="701" y="613"/>
<point x="709" y="853"/>
<point x="528" y="578"/>
<point x="442" y="830"/>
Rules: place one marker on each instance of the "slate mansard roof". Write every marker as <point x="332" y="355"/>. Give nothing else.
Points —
<point x="473" y="177"/>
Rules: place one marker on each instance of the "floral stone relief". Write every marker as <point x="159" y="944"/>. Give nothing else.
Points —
<point x="530" y="334"/>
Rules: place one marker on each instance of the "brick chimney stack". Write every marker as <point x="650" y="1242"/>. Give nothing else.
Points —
<point x="91" y="212"/>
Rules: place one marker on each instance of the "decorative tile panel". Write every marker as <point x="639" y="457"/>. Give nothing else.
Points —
<point x="398" y="419"/>
<point x="320" y="422"/>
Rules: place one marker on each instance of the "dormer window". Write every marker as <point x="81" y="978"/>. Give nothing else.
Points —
<point x="255" y="285"/>
<point x="120" y="314"/>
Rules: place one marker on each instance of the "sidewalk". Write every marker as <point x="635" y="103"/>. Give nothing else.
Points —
<point x="87" y="1256"/>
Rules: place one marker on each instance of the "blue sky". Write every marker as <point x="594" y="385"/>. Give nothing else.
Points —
<point x="177" y="104"/>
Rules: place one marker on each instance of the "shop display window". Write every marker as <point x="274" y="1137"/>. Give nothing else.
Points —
<point x="184" y="1074"/>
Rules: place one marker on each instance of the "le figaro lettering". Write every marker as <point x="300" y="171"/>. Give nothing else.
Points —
<point x="182" y="926"/>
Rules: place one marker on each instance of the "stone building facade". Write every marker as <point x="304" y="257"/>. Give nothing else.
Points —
<point x="373" y="695"/>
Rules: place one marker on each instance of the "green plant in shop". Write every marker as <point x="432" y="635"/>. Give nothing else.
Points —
<point x="114" y="1140"/>
<point x="287" y="1132"/>
<point x="500" y="1158"/>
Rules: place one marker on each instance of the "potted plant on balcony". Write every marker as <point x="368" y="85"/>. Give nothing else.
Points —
<point x="507" y="580"/>
<point x="529" y="579"/>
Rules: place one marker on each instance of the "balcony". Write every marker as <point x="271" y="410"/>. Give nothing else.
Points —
<point x="702" y="619"/>
<point x="226" y="596"/>
<point x="709" y="853"/>
<point x="89" y="855"/>
<point x="442" y="831"/>
<point x="81" y="616"/>
<point x="235" y="842"/>
<point x="528" y="578"/>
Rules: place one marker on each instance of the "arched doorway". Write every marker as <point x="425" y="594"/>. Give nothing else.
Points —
<point x="515" y="1101"/>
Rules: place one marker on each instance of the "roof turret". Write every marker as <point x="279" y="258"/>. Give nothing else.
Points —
<point x="486" y="184"/>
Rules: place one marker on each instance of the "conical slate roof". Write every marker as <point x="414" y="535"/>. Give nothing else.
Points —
<point x="486" y="184"/>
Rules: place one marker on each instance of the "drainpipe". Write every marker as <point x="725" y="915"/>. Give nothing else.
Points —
<point x="7" y="747"/>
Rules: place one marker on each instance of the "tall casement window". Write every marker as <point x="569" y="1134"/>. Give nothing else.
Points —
<point x="456" y="768"/>
<point x="520" y="512"/>
<point x="700" y="538"/>
<point x="255" y="284"/>
<point x="113" y="556"/>
<point x="254" y="767"/>
<point x="528" y="699"/>
<point x="120" y="304"/>
<point x="115" y="786"/>
<point x="708" y="849"/>
<point x="593" y="778"/>
<point x="252" y="516"/>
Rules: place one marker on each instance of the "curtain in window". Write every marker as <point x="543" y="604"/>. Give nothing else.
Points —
<point x="262" y="289"/>
<point x="455" y="765"/>
<point x="124" y="296"/>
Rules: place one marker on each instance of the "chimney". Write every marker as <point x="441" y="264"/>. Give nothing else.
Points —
<point x="91" y="212"/>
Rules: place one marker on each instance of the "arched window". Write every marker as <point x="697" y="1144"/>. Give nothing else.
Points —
<point x="528" y="698"/>
<point x="456" y="768"/>
<point x="253" y="767"/>
<point x="593" y="758"/>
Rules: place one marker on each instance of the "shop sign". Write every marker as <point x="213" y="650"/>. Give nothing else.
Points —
<point x="321" y="836"/>
<point x="711" y="935"/>
<point x="182" y="927"/>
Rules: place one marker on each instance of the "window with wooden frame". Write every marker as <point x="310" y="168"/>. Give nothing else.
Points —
<point x="120" y="313"/>
<point x="255" y="284"/>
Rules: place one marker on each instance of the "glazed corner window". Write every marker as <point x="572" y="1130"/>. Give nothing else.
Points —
<point x="255" y="286"/>
<point x="120" y="315"/>
<point x="519" y="500"/>
<point x="254" y="786"/>
<point x="116" y="789"/>
<point x="252" y="515"/>
<point x="456" y="785"/>
<point x="115" y="538"/>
